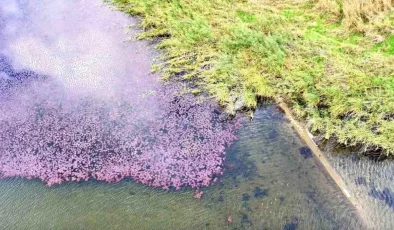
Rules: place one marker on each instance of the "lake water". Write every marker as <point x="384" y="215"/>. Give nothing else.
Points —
<point x="74" y="59"/>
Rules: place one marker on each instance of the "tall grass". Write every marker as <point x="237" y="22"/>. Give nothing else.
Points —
<point x="341" y="84"/>
<point x="366" y="16"/>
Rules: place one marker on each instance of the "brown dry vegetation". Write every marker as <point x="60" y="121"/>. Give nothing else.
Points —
<point x="366" y="16"/>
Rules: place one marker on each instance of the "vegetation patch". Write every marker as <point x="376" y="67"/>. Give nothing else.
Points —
<point x="330" y="60"/>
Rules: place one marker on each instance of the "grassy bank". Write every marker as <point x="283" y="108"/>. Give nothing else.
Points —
<point x="332" y="61"/>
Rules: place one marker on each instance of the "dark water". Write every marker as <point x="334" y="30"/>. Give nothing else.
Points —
<point x="271" y="180"/>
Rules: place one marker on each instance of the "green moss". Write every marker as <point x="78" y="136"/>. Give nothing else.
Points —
<point x="340" y="83"/>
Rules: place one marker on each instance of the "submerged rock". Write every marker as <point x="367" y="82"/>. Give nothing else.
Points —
<point x="292" y="225"/>
<point x="245" y="220"/>
<point x="245" y="197"/>
<point x="273" y="134"/>
<point x="361" y="181"/>
<point x="260" y="193"/>
<point x="385" y="195"/>
<point x="240" y="165"/>
<point x="306" y="152"/>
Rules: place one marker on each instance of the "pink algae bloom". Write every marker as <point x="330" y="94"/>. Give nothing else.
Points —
<point x="163" y="140"/>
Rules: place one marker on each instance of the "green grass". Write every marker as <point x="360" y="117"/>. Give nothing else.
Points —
<point x="340" y="84"/>
<point x="386" y="47"/>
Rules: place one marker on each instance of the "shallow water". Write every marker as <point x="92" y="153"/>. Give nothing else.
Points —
<point x="267" y="184"/>
<point x="370" y="183"/>
<point x="270" y="181"/>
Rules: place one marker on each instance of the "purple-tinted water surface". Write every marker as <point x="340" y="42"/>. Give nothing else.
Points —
<point x="72" y="108"/>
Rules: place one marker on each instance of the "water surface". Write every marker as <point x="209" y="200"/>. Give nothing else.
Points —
<point x="78" y="53"/>
<point x="268" y="184"/>
<point x="370" y="182"/>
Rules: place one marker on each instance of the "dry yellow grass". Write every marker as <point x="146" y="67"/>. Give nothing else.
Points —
<point x="365" y="16"/>
<point x="328" y="6"/>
